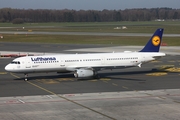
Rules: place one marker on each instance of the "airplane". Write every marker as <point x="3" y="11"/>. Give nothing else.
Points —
<point x="87" y="65"/>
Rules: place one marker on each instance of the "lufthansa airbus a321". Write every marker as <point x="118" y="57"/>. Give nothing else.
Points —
<point x="87" y="65"/>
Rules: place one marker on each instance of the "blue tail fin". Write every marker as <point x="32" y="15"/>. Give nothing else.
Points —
<point x="154" y="43"/>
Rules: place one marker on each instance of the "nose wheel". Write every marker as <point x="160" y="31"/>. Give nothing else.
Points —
<point x="25" y="77"/>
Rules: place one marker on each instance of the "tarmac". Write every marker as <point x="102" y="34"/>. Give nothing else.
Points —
<point x="131" y="105"/>
<point x="150" y="92"/>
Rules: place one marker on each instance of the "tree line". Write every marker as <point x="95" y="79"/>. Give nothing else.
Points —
<point x="66" y="15"/>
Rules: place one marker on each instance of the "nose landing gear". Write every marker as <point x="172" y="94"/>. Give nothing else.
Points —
<point x="25" y="77"/>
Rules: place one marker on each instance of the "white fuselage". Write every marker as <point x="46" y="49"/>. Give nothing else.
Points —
<point x="71" y="62"/>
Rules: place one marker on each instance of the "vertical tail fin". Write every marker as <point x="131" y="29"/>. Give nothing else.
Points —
<point x="154" y="43"/>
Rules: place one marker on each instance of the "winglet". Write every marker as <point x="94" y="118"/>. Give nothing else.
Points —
<point x="154" y="43"/>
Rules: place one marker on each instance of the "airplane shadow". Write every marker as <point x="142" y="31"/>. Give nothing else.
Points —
<point x="46" y="77"/>
<point x="107" y="75"/>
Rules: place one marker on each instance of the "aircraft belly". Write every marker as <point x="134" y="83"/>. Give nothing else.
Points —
<point x="50" y="69"/>
<point x="40" y="70"/>
<point x="124" y="63"/>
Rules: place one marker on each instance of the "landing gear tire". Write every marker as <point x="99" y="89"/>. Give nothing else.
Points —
<point x="25" y="77"/>
<point x="97" y="77"/>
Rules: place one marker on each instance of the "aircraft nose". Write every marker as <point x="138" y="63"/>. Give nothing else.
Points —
<point x="8" y="68"/>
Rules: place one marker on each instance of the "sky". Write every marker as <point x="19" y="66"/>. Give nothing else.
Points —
<point x="88" y="4"/>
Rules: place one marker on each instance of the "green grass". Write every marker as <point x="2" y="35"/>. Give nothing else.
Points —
<point x="83" y="39"/>
<point x="133" y="27"/>
<point x="171" y="27"/>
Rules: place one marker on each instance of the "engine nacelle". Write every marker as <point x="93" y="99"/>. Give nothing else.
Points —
<point x="82" y="73"/>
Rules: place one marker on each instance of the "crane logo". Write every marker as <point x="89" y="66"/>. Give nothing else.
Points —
<point x="156" y="40"/>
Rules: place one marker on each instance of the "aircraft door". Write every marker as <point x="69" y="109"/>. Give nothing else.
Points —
<point x="143" y="58"/>
<point x="18" y="65"/>
<point x="28" y="63"/>
<point x="103" y="59"/>
<point x="62" y="64"/>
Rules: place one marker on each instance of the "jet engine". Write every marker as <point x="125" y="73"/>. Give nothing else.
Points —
<point x="82" y="73"/>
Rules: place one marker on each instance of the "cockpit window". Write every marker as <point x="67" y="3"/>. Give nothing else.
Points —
<point x="15" y="62"/>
